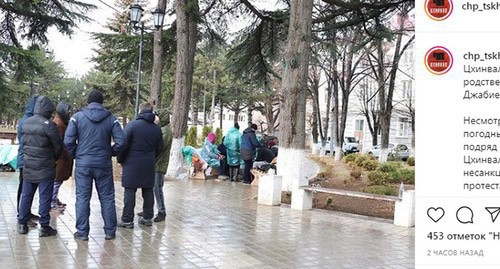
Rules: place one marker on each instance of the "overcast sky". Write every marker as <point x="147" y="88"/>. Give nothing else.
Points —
<point x="75" y="52"/>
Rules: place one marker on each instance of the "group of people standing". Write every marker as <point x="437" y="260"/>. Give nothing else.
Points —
<point x="235" y="150"/>
<point x="92" y="137"/>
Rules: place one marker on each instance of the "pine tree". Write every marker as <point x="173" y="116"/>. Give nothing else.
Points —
<point x="191" y="137"/>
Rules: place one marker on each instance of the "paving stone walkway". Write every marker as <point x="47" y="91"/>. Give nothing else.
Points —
<point x="210" y="224"/>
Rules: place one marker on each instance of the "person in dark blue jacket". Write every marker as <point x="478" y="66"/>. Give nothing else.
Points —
<point x="30" y="106"/>
<point x="88" y="140"/>
<point x="249" y="144"/>
<point x="138" y="157"/>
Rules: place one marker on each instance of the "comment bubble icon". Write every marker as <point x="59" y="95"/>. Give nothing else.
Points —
<point x="465" y="215"/>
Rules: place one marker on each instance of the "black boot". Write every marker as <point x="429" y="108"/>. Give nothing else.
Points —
<point x="231" y="173"/>
<point x="47" y="231"/>
<point x="236" y="173"/>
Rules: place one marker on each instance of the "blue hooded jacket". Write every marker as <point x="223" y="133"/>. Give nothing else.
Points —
<point x="30" y="107"/>
<point x="88" y="137"/>
<point x="249" y="140"/>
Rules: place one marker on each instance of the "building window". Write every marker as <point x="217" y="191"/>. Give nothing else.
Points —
<point x="241" y="118"/>
<point x="403" y="127"/>
<point x="231" y="117"/>
<point x="359" y="125"/>
<point x="407" y="89"/>
<point x="408" y="56"/>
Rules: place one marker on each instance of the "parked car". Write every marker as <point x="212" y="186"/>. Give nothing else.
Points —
<point x="351" y="145"/>
<point x="399" y="151"/>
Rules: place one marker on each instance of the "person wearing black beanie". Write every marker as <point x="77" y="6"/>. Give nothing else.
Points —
<point x="95" y="96"/>
<point x="88" y="140"/>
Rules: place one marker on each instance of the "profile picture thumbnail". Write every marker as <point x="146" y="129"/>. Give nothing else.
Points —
<point x="438" y="60"/>
<point x="438" y="10"/>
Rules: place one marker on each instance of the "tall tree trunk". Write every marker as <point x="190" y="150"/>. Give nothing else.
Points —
<point x="293" y="88"/>
<point x="270" y="119"/>
<point x="155" y="93"/>
<point x="236" y="115"/>
<point x="212" y="106"/>
<point x="316" y="126"/>
<point x="186" y="44"/>
<point x="249" y="114"/>
<point x="269" y="107"/>
<point x="335" y="102"/>
<point x="194" y="112"/>
<point x="221" y="113"/>
<point x="413" y="132"/>
<point x="386" y="103"/>
<point x="326" y="124"/>
<point x="348" y="76"/>
<point x="383" y="119"/>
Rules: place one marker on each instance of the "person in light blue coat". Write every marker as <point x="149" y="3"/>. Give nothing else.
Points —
<point x="210" y="154"/>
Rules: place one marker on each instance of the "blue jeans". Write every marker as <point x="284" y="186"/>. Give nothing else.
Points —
<point x="55" y="193"/>
<point x="129" y="203"/>
<point x="158" y="189"/>
<point x="103" y="177"/>
<point x="45" y="197"/>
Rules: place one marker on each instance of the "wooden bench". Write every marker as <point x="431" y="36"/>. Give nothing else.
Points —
<point x="404" y="210"/>
<point x="12" y="135"/>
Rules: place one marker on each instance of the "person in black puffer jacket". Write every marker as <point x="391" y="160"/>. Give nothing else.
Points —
<point x="42" y="146"/>
<point x="30" y="106"/>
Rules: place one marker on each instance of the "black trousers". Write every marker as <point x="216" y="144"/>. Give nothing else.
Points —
<point x="233" y="172"/>
<point x="129" y="203"/>
<point x="247" y="177"/>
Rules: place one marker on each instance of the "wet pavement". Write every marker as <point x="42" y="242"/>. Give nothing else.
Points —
<point x="210" y="224"/>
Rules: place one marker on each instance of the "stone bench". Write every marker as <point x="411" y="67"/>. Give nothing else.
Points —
<point x="404" y="211"/>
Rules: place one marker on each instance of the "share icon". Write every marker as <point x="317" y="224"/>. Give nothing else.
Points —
<point x="494" y="212"/>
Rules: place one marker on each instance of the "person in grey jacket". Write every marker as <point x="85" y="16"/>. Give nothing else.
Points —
<point x="42" y="146"/>
<point x="88" y="140"/>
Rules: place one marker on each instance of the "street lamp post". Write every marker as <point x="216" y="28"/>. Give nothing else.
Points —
<point x="135" y="18"/>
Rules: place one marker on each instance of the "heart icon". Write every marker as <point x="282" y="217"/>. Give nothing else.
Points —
<point x="435" y="214"/>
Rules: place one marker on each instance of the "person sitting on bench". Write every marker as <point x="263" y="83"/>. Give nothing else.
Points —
<point x="193" y="160"/>
<point x="210" y="154"/>
<point x="264" y="159"/>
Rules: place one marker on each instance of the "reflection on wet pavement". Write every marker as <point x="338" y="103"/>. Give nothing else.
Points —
<point x="209" y="224"/>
